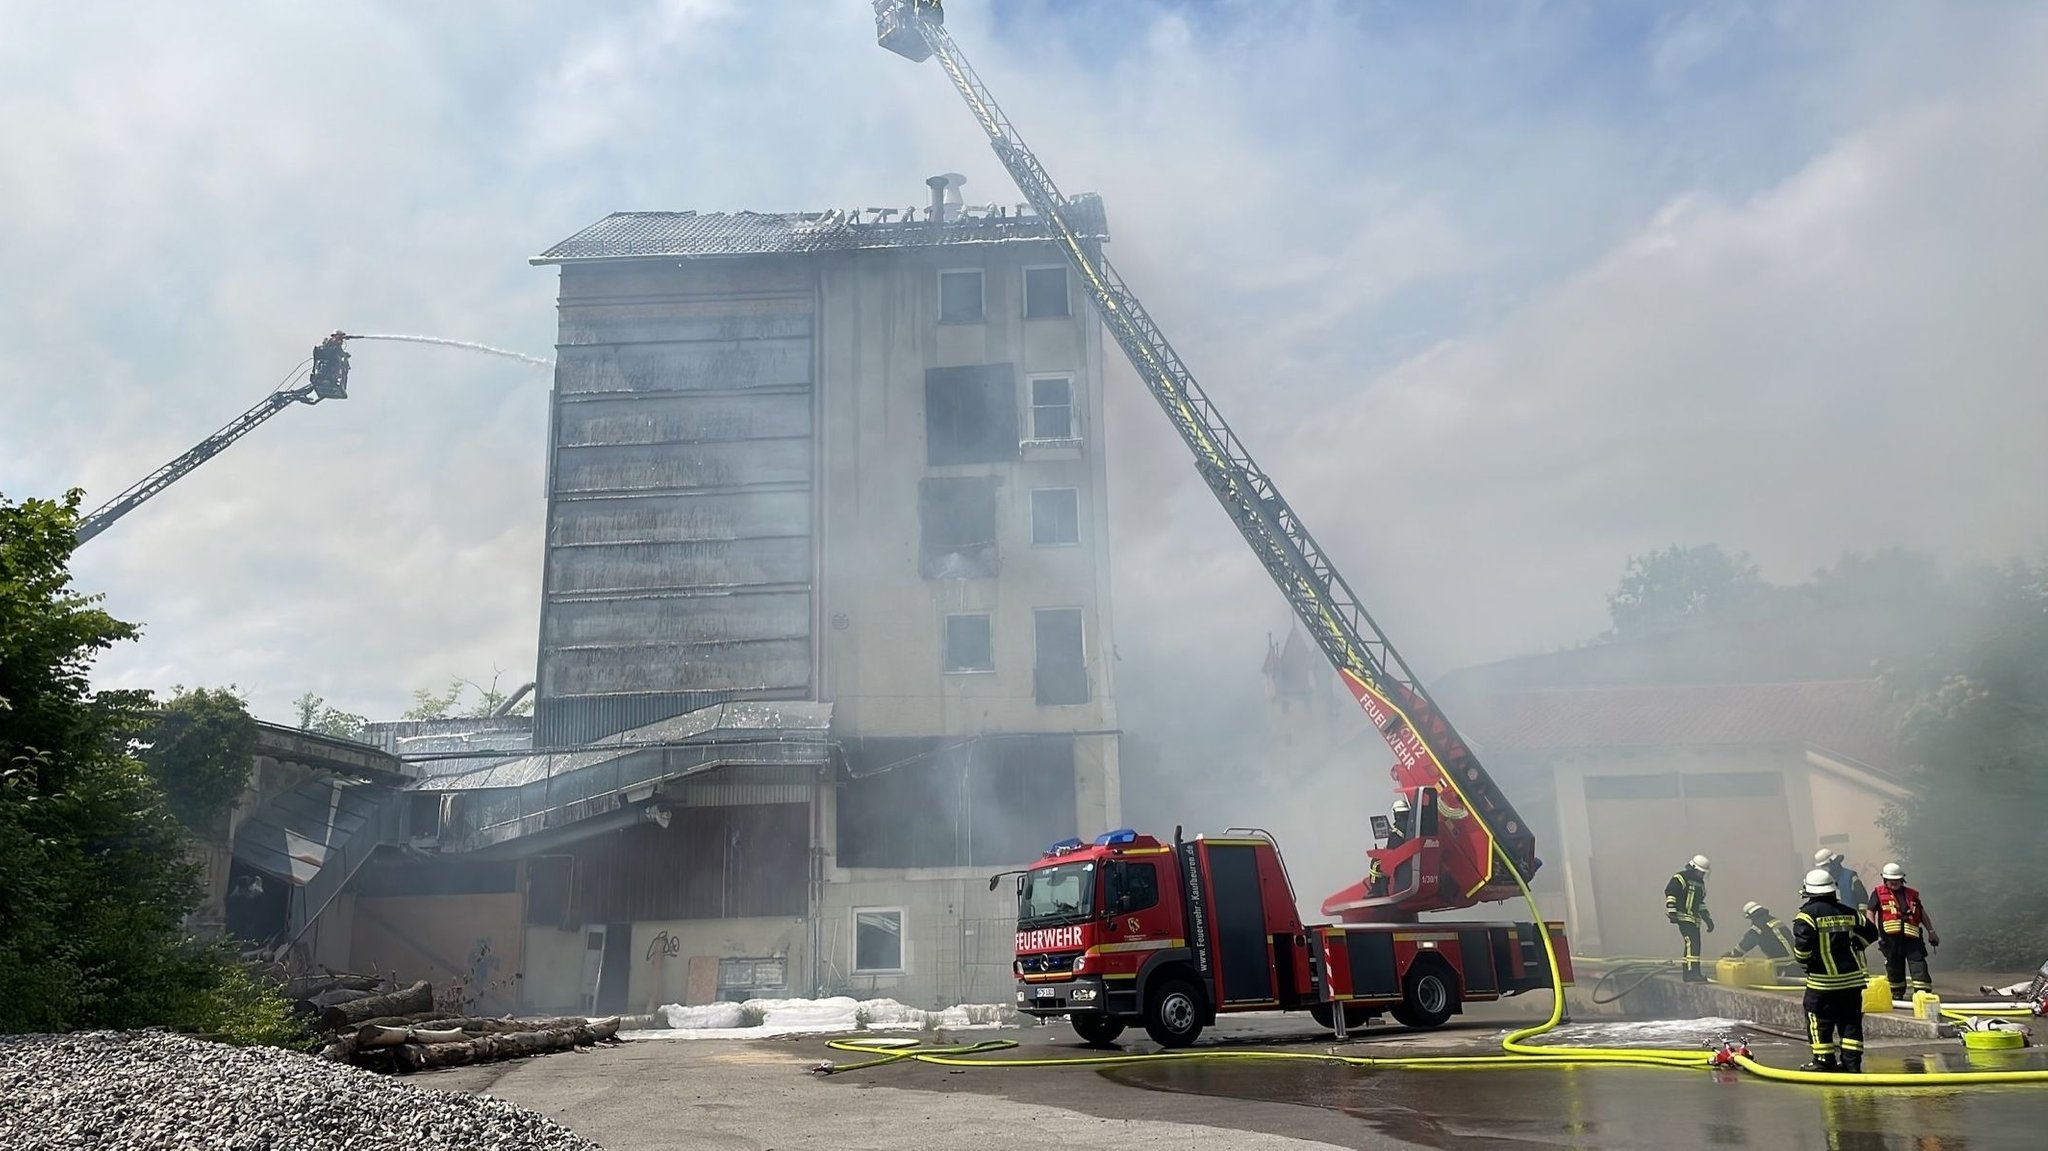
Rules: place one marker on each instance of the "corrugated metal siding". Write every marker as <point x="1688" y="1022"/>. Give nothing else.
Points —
<point x="741" y="786"/>
<point x="709" y="863"/>
<point x="679" y="557"/>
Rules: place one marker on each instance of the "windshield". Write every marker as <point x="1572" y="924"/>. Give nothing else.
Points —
<point x="1060" y="894"/>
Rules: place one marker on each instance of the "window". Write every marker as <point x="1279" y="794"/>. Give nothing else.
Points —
<point x="1055" y="517"/>
<point x="1045" y="293"/>
<point x="1061" y="672"/>
<point x="746" y="978"/>
<point x="968" y="643"/>
<point x="970" y="415"/>
<point x="1000" y="800"/>
<point x="1052" y="409"/>
<point x="957" y="517"/>
<point x="960" y="297"/>
<point x="878" y="939"/>
<point x="1140" y="887"/>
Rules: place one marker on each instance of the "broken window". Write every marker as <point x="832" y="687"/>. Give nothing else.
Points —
<point x="1045" y="293"/>
<point x="1055" y="517"/>
<point x="993" y="801"/>
<point x="969" y="643"/>
<point x="878" y="939"/>
<point x="960" y="297"/>
<point x="1052" y="409"/>
<point x="1060" y="670"/>
<point x="970" y="414"/>
<point x="957" y="527"/>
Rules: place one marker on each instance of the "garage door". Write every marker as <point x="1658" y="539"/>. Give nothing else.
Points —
<point x="1644" y="827"/>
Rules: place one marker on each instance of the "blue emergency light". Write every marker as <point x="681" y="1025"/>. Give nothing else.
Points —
<point x="1072" y="843"/>
<point x="1120" y="835"/>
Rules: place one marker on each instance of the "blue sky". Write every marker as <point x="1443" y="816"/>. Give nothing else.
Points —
<point x="1501" y="292"/>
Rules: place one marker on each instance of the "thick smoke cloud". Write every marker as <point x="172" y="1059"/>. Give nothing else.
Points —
<point x="1499" y="300"/>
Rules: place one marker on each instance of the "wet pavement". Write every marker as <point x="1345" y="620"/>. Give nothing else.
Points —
<point x="1580" y="1107"/>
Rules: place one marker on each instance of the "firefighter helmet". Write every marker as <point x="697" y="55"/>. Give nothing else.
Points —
<point x="1400" y="806"/>
<point x="1823" y="857"/>
<point x="1894" y="871"/>
<point x="1752" y="907"/>
<point x="1820" y="881"/>
<point x="1699" y="863"/>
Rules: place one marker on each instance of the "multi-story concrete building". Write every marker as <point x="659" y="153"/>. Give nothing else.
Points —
<point x="825" y="635"/>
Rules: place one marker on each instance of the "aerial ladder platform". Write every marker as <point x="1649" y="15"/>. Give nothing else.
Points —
<point x="1463" y="824"/>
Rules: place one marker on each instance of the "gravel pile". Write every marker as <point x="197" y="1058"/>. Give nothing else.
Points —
<point x="135" y="1091"/>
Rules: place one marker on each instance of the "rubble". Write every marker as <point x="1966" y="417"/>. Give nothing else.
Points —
<point x="150" y="1090"/>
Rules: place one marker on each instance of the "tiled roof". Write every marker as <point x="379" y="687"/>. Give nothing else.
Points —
<point x="1848" y="717"/>
<point x="684" y="235"/>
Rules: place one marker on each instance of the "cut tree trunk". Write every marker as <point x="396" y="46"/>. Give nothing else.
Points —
<point x="418" y="997"/>
<point x="308" y="986"/>
<point x="508" y="1045"/>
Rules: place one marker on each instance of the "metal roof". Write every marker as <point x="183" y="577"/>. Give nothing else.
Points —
<point x="315" y="835"/>
<point x="690" y="235"/>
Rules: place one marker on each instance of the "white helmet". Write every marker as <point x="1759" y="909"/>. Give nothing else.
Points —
<point x="1752" y="907"/>
<point x="1698" y="863"/>
<point x="1820" y="881"/>
<point x="1823" y="857"/>
<point x="1400" y="806"/>
<point x="1894" y="871"/>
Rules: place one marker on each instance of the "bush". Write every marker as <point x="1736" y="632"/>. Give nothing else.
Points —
<point x="238" y="1007"/>
<point x="752" y="1015"/>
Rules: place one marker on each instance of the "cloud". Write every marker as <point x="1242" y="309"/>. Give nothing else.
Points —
<point x="1497" y="300"/>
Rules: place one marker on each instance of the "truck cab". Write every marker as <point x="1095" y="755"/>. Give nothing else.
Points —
<point x="1128" y="929"/>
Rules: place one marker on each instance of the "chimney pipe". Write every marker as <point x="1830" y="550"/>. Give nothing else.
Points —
<point x="937" y="212"/>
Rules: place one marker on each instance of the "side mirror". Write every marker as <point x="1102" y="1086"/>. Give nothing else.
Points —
<point x="993" y="880"/>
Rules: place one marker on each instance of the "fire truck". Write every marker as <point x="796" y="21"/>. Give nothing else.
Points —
<point x="1128" y="928"/>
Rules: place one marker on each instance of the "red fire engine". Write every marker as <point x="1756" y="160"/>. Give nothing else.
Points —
<point x="1129" y="928"/>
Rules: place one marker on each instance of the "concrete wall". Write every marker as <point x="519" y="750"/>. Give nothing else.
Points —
<point x="1843" y="809"/>
<point x="551" y="980"/>
<point x="437" y="937"/>
<point x="957" y="943"/>
<point x="663" y="951"/>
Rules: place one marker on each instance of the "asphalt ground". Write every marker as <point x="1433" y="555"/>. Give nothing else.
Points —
<point x="683" y="1093"/>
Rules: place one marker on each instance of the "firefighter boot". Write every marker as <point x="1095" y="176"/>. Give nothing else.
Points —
<point x="1823" y="1063"/>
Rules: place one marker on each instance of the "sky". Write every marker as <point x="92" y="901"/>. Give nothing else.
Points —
<point x="1500" y="293"/>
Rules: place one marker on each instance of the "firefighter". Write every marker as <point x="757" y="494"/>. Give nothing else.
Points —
<point x="1376" y="876"/>
<point x="1768" y="934"/>
<point x="1685" y="904"/>
<point x="1908" y="931"/>
<point x="1847" y="882"/>
<point x="1828" y="938"/>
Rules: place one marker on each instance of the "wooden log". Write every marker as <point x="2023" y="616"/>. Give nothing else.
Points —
<point x="506" y="1045"/>
<point x="307" y="986"/>
<point x="429" y="1038"/>
<point x="379" y="1035"/>
<point x="341" y="1049"/>
<point x="337" y="996"/>
<point x="418" y="997"/>
<point x="412" y="1019"/>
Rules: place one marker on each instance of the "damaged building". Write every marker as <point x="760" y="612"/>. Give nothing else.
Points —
<point x="825" y="632"/>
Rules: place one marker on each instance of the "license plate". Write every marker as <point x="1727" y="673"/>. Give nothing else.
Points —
<point x="1047" y="992"/>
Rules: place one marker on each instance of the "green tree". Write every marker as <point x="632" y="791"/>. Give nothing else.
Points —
<point x="1975" y="727"/>
<point x="199" y="749"/>
<point x="95" y="880"/>
<point x="314" y="714"/>
<point x="448" y="704"/>
<point x="1680" y="585"/>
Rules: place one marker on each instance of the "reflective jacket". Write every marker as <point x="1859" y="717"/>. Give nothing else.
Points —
<point x="1768" y="934"/>
<point x="1828" y="938"/>
<point x="1900" y="912"/>
<point x="1686" y="897"/>
<point x="1850" y="885"/>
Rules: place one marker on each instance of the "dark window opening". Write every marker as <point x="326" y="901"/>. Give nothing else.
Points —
<point x="1055" y="517"/>
<point x="551" y="891"/>
<point x="1061" y="669"/>
<point x="957" y="519"/>
<point x="970" y="645"/>
<point x="970" y="415"/>
<point x="960" y="297"/>
<point x="1052" y="409"/>
<point x="1045" y="293"/>
<point x="726" y="862"/>
<point x="942" y="803"/>
<point x="1140" y="887"/>
<point x="878" y="940"/>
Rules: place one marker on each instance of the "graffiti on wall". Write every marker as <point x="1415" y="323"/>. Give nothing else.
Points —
<point x="665" y="945"/>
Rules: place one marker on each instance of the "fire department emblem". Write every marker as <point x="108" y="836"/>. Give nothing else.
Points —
<point x="1131" y="924"/>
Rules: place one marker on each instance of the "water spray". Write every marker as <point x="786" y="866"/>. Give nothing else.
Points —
<point x="446" y="343"/>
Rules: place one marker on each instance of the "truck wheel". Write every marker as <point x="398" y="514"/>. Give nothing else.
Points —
<point x="1173" y="1013"/>
<point x="1097" y="1030"/>
<point x="1355" y="1015"/>
<point x="1428" y="997"/>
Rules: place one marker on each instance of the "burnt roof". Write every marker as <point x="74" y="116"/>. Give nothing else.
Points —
<point x="699" y="235"/>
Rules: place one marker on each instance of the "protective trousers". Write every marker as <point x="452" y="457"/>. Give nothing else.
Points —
<point x="1900" y="953"/>
<point x="1834" y="1025"/>
<point x="1689" y="933"/>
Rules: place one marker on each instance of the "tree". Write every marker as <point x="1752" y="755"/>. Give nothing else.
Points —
<point x="199" y="749"/>
<point x="314" y="714"/>
<point x="1679" y="585"/>
<point x="95" y="880"/>
<point x="443" y="705"/>
<point x="1975" y="728"/>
